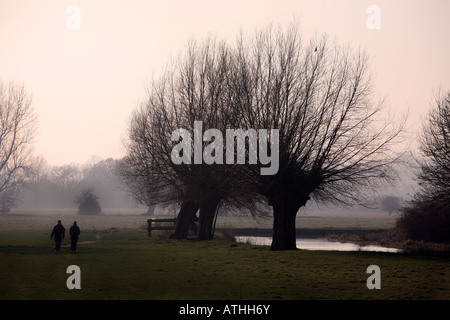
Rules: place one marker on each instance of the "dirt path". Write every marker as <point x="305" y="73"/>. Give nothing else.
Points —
<point x="97" y="237"/>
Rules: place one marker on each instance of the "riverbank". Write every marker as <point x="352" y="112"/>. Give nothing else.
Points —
<point x="366" y="237"/>
<point x="300" y="232"/>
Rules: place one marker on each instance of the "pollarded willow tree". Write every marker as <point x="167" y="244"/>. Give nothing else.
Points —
<point x="168" y="143"/>
<point x="147" y="171"/>
<point x="335" y="144"/>
<point x="331" y="142"/>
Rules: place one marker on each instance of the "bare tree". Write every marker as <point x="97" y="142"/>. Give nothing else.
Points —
<point x="427" y="216"/>
<point x="66" y="176"/>
<point x="145" y="170"/>
<point x="334" y="145"/>
<point x="194" y="88"/>
<point x="8" y="199"/>
<point x="17" y="129"/>
<point x="435" y="145"/>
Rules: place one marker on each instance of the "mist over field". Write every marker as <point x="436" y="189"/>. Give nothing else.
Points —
<point x="50" y="194"/>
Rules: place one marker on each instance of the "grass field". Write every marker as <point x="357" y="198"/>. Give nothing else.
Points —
<point x="45" y="219"/>
<point x="119" y="261"/>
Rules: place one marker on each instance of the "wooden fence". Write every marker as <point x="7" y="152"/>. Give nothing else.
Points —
<point x="154" y="224"/>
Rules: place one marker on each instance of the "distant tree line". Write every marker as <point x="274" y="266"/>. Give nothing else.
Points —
<point x="66" y="186"/>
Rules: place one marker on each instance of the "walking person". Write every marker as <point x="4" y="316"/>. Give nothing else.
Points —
<point x="59" y="233"/>
<point x="74" y="233"/>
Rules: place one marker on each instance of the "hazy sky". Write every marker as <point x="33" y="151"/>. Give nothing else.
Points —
<point x="85" y="82"/>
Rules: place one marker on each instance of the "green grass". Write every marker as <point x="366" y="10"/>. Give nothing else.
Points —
<point x="126" y="264"/>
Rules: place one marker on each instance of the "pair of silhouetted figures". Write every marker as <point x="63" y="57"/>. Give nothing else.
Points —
<point x="59" y="233"/>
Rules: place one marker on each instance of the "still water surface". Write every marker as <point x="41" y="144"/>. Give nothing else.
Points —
<point x="318" y="244"/>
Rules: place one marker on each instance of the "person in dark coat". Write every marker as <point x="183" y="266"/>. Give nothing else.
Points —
<point x="74" y="233"/>
<point x="59" y="233"/>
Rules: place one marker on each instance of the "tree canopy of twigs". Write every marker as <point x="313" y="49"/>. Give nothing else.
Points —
<point x="18" y="124"/>
<point x="336" y="144"/>
<point x="195" y="87"/>
<point x="435" y="146"/>
<point x="427" y="216"/>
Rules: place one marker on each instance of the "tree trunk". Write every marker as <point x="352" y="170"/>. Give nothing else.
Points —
<point x="208" y="210"/>
<point x="284" y="235"/>
<point x="185" y="219"/>
<point x="150" y="210"/>
<point x="284" y="231"/>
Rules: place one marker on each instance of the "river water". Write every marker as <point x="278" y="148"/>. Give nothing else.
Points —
<point x="319" y="244"/>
